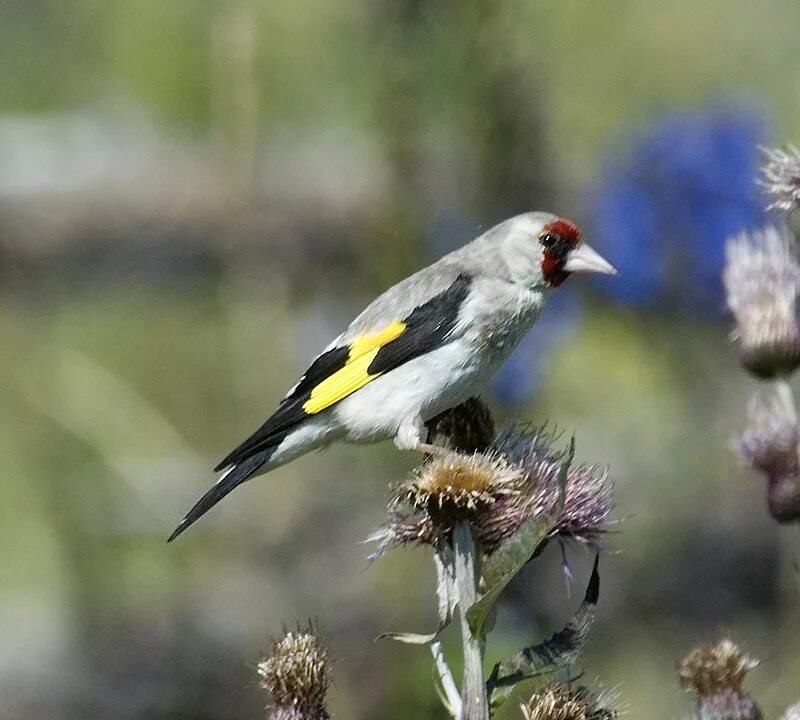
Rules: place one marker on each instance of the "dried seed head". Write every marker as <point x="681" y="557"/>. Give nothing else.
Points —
<point x="497" y="491"/>
<point x="459" y="485"/>
<point x="762" y="283"/>
<point x="296" y="675"/>
<point x="781" y="178"/>
<point x="558" y="701"/>
<point x="716" y="672"/>
<point x="466" y="428"/>
<point x="709" y="669"/>
<point x="771" y="444"/>
<point x="792" y="713"/>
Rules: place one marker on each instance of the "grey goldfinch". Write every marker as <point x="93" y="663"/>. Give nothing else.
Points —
<point x="424" y="346"/>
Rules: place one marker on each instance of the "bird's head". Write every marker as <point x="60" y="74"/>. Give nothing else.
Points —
<point x="543" y="250"/>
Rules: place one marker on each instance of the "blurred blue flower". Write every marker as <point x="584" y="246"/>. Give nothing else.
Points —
<point x="662" y="215"/>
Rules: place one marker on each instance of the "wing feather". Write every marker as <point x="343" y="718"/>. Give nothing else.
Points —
<point x="342" y="370"/>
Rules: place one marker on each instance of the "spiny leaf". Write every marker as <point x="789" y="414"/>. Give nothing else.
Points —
<point x="514" y="553"/>
<point x="561" y="650"/>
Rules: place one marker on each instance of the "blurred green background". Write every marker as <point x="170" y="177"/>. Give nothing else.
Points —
<point x="196" y="195"/>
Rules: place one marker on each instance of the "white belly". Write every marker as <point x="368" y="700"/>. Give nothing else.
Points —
<point x="422" y="388"/>
<point x="493" y="323"/>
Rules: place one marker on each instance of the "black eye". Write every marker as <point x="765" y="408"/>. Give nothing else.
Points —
<point x="548" y="240"/>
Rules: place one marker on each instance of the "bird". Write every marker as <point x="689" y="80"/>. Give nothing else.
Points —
<point x="424" y="346"/>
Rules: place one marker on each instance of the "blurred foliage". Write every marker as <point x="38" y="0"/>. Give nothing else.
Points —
<point x="250" y="175"/>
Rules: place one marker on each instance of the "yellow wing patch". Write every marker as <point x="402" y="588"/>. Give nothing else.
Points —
<point x="354" y="374"/>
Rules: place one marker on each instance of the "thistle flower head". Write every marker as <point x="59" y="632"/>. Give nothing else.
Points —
<point x="762" y="283"/>
<point x="558" y="701"/>
<point x="587" y="495"/>
<point x="781" y="178"/>
<point x="296" y="674"/>
<point x="459" y="484"/>
<point x="716" y="672"/>
<point x="497" y="491"/>
<point x="771" y="444"/>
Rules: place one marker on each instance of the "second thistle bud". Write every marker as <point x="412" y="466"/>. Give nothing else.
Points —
<point x="762" y="284"/>
<point x="771" y="444"/>
<point x="558" y="701"/>
<point x="716" y="672"/>
<point x="296" y="674"/>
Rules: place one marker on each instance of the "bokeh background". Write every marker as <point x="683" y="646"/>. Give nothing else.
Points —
<point x="196" y="195"/>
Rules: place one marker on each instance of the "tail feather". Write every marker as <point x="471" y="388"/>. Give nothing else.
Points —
<point x="231" y="479"/>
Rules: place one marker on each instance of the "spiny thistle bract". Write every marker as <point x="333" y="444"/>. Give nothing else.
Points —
<point x="497" y="491"/>
<point x="558" y="701"/>
<point x="762" y="284"/>
<point x="296" y="674"/>
<point x="716" y="672"/>
<point x="771" y="444"/>
<point x="781" y="178"/>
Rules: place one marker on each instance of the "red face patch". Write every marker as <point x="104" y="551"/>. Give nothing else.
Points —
<point x="557" y="239"/>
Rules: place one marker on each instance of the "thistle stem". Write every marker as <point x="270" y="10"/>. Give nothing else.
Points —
<point x="474" y="705"/>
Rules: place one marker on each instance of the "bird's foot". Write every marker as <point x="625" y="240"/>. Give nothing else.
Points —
<point x="428" y="449"/>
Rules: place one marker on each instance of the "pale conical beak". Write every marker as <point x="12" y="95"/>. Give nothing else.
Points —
<point x="584" y="259"/>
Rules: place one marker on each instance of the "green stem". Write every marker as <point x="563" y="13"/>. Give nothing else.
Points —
<point x="474" y="705"/>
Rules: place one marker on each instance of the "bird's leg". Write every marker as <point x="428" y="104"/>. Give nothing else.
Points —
<point x="429" y="449"/>
<point x="409" y="437"/>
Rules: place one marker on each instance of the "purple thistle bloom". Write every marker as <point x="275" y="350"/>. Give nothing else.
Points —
<point x="497" y="491"/>
<point x="771" y="444"/>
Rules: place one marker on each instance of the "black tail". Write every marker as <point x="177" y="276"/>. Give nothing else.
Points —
<point x="241" y="472"/>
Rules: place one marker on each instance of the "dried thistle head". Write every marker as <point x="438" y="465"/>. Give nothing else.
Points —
<point x="498" y="491"/>
<point x="558" y="701"/>
<point x="296" y="674"/>
<point x="459" y="484"/>
<point x="716" y="672"/>
<point x="781" y="178"/>
<point x="707" y="669"/>
<point x="466" y="428"/>
<point x="771" y="444"/>
<point x="762" y="284"/>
